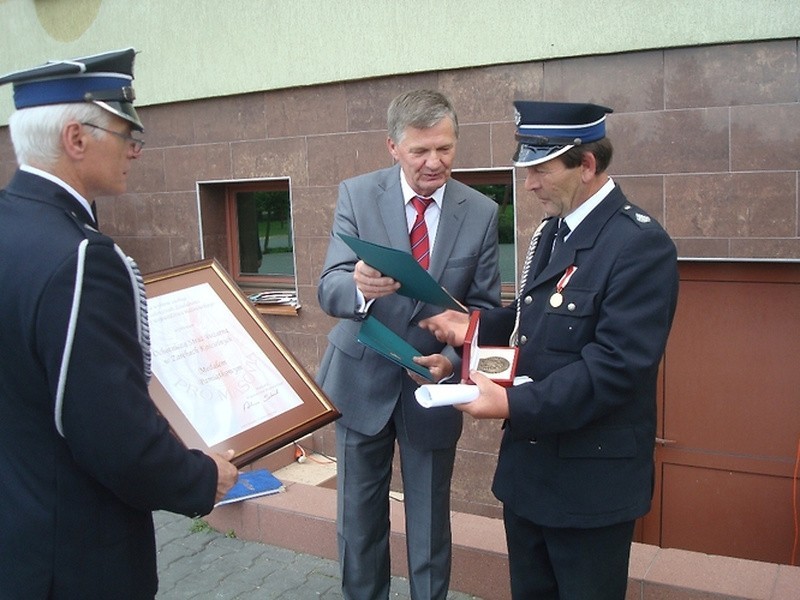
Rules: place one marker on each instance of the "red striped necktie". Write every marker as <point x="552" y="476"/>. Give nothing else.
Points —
<point x="420" y="247"/>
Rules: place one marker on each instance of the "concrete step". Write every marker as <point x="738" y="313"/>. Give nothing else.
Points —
<point x="303" y="519"/>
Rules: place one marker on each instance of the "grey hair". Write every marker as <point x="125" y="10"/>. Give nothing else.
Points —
<point x="420" y="109"/>
<point x="36" y="131"/>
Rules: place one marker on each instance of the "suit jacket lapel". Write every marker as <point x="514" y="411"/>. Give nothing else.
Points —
<point x="393" y="211"/>
<point x="543" y="249"/>
<point x="450" y="221"/>
<point x="584" y="236"/>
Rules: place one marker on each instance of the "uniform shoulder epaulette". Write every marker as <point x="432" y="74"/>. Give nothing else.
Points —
<point x="638" y="216"/>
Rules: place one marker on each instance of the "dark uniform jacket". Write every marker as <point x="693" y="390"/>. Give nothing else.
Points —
<point x="577" y="450"/>
<point x="84" y="456"/>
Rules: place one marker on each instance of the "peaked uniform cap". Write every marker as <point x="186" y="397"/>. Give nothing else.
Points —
<point x="546" y="130"/>
<point x="103" y="79"/>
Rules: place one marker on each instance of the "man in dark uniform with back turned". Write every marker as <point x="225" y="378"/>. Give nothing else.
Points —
<point x="591" y="321"/>
<point x="84" y="456"/>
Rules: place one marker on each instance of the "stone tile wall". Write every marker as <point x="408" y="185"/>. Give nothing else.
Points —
<point x="707" y="140"/>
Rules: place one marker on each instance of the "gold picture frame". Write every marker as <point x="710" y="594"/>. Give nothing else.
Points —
<point x="221" y="377"/>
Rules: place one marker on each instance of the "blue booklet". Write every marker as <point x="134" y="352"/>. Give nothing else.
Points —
<point x="252" y="484"/>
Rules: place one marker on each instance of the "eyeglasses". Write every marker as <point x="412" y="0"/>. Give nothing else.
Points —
<point x="135" y="143"/>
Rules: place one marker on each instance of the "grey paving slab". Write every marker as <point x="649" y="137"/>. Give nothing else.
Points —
<point x="198" y="563"/>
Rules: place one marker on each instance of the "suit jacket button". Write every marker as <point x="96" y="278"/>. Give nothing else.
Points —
<point x="533" y="441"/>
<point x="528" y="300"/>
<point x="523" y="340"/>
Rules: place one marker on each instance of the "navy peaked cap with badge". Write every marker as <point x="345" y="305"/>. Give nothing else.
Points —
<point x="103" y="79"/>
<point x="546" y="130"/>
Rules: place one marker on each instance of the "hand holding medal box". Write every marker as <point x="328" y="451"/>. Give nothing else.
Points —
<point x="498" y="363"/>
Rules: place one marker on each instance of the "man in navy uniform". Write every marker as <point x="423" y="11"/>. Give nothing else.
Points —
<point x="591" y="320"/>
<point x="84" y="455"/>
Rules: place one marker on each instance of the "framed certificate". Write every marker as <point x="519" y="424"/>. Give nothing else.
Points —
<point x="221" y="376"/>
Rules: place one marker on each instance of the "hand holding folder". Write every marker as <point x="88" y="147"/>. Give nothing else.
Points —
<point x="415" y="282"/>
<point x="384" y="341"/>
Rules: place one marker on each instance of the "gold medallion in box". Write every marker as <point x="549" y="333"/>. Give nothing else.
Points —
<point x="498" y="363"/>
<point x="493" y="364"/>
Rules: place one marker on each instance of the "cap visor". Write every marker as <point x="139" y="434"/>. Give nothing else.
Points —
<point x="124" y="110"/>
<point x="528" y="156"/>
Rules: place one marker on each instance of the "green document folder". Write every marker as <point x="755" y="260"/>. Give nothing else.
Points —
<point x="387" y="343"/>
<point x="415" y="282"/>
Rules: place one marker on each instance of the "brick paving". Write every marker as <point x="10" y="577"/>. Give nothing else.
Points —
<point x="198" y="563"/>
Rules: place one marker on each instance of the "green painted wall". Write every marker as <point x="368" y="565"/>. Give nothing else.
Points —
<point x="203" y="48"/>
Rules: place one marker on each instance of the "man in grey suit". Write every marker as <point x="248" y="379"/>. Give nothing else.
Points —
<point x="374" y="395"/>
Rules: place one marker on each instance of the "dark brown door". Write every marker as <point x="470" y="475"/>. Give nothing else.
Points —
<point x="729" y="413"/>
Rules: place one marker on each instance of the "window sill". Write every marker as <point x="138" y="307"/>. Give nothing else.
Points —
<point x="273" y="301"/>
<point x="277" y="309"/>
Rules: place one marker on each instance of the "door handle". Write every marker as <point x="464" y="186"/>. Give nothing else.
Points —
<point x="665" y="442"/>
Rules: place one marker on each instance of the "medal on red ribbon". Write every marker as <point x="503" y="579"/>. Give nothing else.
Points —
<point x="556" y="299"/>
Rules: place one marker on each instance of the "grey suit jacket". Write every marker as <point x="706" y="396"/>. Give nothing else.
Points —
<point x="363" y="385"/>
